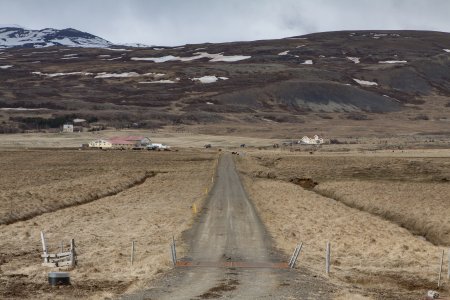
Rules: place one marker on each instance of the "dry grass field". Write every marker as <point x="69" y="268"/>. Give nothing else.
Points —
<point x="422" y="207"/>
<point x="173" y="136"/>
<point x="370" y="207"/>
<point x="140" y="196"/>
<point x="384" y="212"/>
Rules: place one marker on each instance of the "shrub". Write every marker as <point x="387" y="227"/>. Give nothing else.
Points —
<point x="9" y="129"/>
<point x="357" y="117"/>
<point x="420" y="117"/>
<point x="325" y="116"/>
<point x="336" y="142"/>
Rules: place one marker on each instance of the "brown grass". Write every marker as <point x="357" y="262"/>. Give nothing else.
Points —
<point x="148" y="213"/>
<point x="408" y="188"/>
<point x="33" y="201"/>
<point x="421" y="207"/>
<point x="370" y="255"/>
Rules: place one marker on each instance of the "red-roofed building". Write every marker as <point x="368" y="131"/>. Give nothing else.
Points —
<point x="129" y="142"/>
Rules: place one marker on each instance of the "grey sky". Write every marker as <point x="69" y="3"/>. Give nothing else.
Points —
<point x="175" y="22"/>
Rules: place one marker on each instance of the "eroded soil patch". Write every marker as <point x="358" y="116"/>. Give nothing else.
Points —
<point x="216" y="292"/>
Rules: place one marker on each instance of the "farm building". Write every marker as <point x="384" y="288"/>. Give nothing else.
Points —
<point x="129" y="142"/>
<point x="316" y="140"/>
<point x="67" y="128"/>
<point x="101" y="144"/>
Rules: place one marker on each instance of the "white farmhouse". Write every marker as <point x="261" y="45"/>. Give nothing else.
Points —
<point x="67" y="128"/>
<point x="101" y="144"/>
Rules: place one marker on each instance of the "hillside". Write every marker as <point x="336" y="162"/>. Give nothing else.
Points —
<point x="15" y="36"/>
<point x="373" y="82"/>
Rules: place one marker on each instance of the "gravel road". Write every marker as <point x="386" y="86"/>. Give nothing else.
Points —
<point x="231" y="254"/>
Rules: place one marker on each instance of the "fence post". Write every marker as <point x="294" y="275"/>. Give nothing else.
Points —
<point x="295" y="255"/>
<point x="72" y="253"/>
<point x="173" y="251"/>
<point x="327" y="259"/>
<point x="440" y="269"/>
<point x="292" y="257"/>
<point x="44" y="246"/>
<point x="132" y="252"/>
<point x="171" y="254"/>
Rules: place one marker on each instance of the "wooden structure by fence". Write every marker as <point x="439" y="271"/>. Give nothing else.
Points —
<point x="59" y="259"/>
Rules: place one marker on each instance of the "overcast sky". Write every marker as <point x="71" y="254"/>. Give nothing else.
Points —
<point x="176" y="22"/>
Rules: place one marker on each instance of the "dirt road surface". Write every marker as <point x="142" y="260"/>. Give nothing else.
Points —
<point x="230" y="231"/>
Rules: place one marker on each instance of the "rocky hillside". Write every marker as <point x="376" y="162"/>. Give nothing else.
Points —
<point x="323" y="80"/>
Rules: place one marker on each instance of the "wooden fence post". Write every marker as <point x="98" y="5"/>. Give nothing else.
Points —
<point x="448" y="267"/>
<point x="73" y="261"/>
<point x="173" y="251"/>
<point x="440" y="269"/>
<point x="44" y="247"/>
<point x="327" y="259"/>
<point x="132" y="252"/>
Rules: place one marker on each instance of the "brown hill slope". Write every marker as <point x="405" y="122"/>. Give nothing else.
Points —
<point x="324" y="79"/>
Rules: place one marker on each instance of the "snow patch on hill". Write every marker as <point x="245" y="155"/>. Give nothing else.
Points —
<point x="61" y="74"/>
<point x="208" y="79"/>
<point x="356" y="60"/>
<point x="157" y="59"/>
<point x="21" y="109"/>
<point x="393" y="62"/>
<point x="117" y="75"/>
<point x="99" y="75"/>
<point x="198" y="55"/>
<point x="117" y="49"/>
<point x="364" y="82"/>
<point x="161" y="81"/>
<point x="230" y="58"/>
<point x="113" y="58"/>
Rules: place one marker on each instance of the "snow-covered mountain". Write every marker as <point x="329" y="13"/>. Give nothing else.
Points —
<point x="15" y="36"/>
